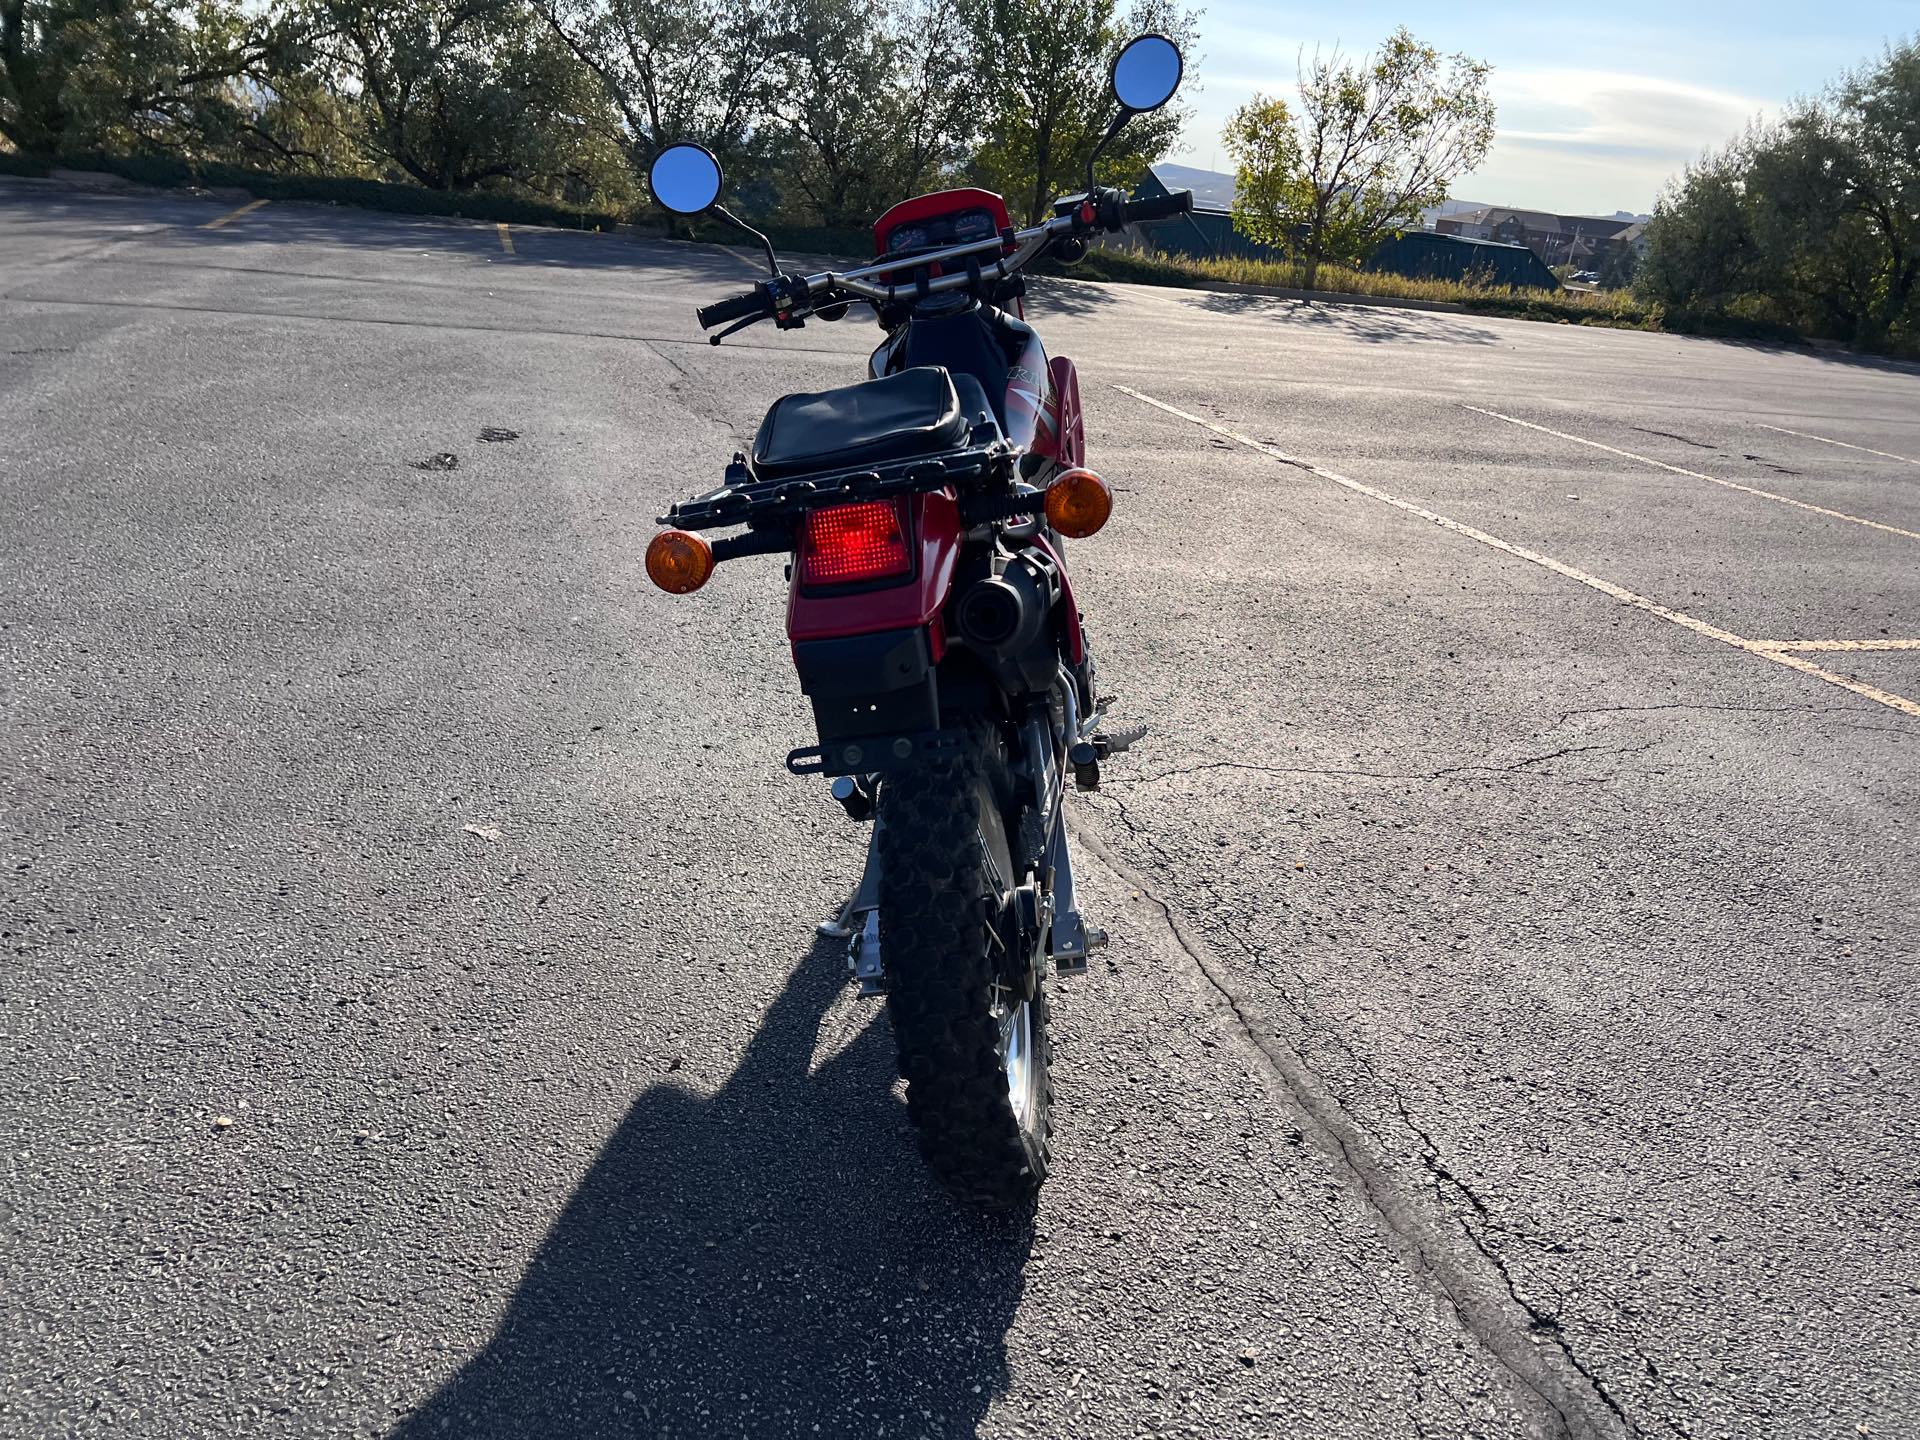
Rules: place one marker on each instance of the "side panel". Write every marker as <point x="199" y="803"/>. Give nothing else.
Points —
<point x="1029" y="406"/>
<point x="915" y="603"/>
<point x="1069" y="425"/>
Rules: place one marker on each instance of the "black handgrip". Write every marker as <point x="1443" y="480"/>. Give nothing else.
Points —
<point x="755" y="302"/>
<point x="1156" y="207"/>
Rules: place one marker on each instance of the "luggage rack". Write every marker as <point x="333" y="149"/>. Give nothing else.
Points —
<point x="743" y="500"/>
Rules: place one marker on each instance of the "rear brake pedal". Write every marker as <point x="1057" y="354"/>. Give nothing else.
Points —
<point x="1118" y="742"/>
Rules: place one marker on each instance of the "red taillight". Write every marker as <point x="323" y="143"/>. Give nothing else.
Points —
<point x="853" y="543"/>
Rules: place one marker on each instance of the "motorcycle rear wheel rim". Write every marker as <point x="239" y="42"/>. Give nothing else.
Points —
<point x="1016" y="1060"/>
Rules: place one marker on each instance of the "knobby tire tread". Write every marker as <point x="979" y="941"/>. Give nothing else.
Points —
<point x="941" y="973"/>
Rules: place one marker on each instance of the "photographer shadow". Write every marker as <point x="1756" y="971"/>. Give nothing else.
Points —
<point x="770" y="1261"/>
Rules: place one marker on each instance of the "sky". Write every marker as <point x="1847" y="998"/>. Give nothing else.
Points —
<point x="1598" y="103"/>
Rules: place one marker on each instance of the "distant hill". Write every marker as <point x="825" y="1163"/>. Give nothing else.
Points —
<point x="1214" y="191"/>
<point x="1211" y="189"/>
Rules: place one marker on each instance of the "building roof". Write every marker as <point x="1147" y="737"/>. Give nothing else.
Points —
<point x="1587" y="226"/>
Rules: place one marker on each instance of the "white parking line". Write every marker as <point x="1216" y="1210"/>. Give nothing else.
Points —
<point x="1533" y="557"/>
<point x="1816" y="645"/>
<point x="1696" y="475"/>
<point x="1863" y="449"/>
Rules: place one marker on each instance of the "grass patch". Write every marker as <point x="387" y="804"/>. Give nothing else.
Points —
<point x="1571" y="307"/>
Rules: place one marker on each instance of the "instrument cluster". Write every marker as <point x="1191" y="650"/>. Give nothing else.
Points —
<point x="955" y="229"/>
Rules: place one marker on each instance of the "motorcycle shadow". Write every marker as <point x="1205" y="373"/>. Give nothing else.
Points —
<point x="773" y="1260"/>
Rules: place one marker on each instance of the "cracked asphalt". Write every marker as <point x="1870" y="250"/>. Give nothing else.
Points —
<point x="412" y="1020"/>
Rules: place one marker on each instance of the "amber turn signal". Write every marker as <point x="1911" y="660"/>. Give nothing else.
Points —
<point x="1078" y="503"/>
<point x="677" y="562"/>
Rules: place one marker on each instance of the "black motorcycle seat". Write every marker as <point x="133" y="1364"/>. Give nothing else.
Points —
<point x="897" y="417"/>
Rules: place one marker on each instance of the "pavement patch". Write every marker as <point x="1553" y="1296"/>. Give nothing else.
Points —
<point x="1559" y="567"/>
<point x="1697" y="475"/>
<point x="1444" y="1253"/>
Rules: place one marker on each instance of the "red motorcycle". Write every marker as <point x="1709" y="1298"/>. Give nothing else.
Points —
<point x="934" y="628"/>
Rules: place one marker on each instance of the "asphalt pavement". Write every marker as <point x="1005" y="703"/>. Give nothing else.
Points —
<point x="412" y="1018"/>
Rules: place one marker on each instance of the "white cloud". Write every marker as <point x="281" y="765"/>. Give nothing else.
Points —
<point x="1569" y="139"/>
<point x="1601" y="140"/>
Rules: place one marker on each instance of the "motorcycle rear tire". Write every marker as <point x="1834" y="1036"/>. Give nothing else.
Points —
<point x="984" y="1133"/>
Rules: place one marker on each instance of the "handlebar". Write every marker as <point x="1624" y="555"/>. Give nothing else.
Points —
<point x="1157" y="207"/>
<point x="754" y="302"/>
<point x="1010" y="252"/>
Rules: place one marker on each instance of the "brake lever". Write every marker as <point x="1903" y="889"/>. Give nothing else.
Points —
<point x="735" y="328"/>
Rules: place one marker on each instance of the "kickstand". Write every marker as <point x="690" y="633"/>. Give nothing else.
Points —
<point x="865" y="896"/>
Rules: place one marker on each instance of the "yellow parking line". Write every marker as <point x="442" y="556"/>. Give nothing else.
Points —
<point x="759" y="267"/>
<point x="506" y="237"/>
<point x="1863" y="449"/>
<point x="232" y="215"/>
<point x="1547" y="562"/>
<point x="1813" y="645"/>
<point x="1696" y="475"/>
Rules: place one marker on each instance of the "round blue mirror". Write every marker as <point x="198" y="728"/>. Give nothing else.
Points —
<point x="685" y="179"/>
<point x="1147" y="72"/>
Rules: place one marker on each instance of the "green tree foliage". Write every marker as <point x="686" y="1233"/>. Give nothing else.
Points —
<point x="1618" y="266"/>
<point x="81" y="75"/>
<point x="458" y="93"/>
<point x="701" y="70"/>
<point x="823" y="111"/>
<point x="1042" y="68"/>
<point x="868" y="109"/>
<point x="1377" y="140"/>
<point x="1269" y="171"/>
<point x="1811" y="221"/>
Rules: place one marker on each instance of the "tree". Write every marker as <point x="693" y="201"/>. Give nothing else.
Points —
<point x="1701" y="252"/>
<point x="1618" y="266"/>
<point x="78" y="75"/>
<point x="1811" y="221"/>
<point x="1379" y="140"/>
<point x="1269" y="174"/>
<point x="1042" y="74"/>
<point x="700" y="70"/>
<point x="869" y="104"/>
<point x="1876" y="149"/>
<point x="457" y="93"/>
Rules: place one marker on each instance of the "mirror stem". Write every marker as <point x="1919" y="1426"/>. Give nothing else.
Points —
<point x="773" y="261"/>
<point x="1119" y="123"/>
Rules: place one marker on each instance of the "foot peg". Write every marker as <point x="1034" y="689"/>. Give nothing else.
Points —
<point x="855" y="801"/>
<point x="1087" y="755"/>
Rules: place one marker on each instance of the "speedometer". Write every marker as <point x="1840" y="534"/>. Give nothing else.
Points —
<point x="907" y="237"/>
